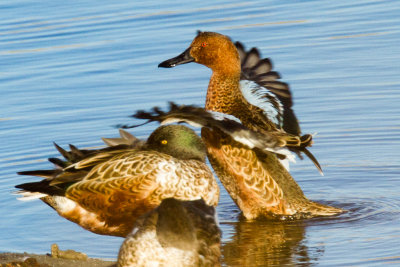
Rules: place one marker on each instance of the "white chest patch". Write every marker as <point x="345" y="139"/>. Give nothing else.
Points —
<point x="166" y="172"/>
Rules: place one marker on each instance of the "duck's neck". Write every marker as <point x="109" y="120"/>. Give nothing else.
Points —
<point x="223" y="94"/>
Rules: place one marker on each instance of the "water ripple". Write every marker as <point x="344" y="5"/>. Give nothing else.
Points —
<point x="71" y="71"/>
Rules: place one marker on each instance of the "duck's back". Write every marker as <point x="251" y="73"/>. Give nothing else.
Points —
<point x="177" y="233"/>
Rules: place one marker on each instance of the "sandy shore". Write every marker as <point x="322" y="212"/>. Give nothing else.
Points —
<point x="57" y="258"/>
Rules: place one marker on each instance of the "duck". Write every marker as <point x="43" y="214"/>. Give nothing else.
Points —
<point x="245" y="86"/>
<point x="106" y="190"/>
<point x="176" y="233"/>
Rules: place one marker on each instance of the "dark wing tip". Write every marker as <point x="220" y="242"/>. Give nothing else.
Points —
<point x="41" y="187"/>
<point x="40" y="173"/>
<point x="260" y="70"/>
<point x="239" y="46"/>
<point x="63" y="152"/>
<point x="313" y="159"/>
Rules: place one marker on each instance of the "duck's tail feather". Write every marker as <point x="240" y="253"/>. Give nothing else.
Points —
<point x="42" y="187"/>
<point x="48" y="174"/>
<point x="318" y="209"/>
<point x="28" y="196"/>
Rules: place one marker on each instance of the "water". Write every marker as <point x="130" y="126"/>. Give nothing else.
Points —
<point x="70" y="72"/>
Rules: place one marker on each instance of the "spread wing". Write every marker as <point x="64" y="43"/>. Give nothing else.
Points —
<point x="275" y="142"/>
<point x="261" y="87"/>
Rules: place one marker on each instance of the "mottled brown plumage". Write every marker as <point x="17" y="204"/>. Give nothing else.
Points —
<point x="111" y="188"/>
<point x="255" y="179"/>
<point x="257" y="182"/>
<point x="244" y="176"/>
<point x="224" y="94"/>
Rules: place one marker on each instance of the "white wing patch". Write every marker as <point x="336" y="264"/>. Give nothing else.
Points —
<point x="27" y="196"/>
<point x="221" y="116"/>
<point x="285" y="163"/>
<point x="178" y="120"/>
<point x="245" y="137"/>
<point x="261" y="97"/>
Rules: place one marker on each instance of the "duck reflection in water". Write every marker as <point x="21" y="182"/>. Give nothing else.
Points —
<point x="269" y="243"/>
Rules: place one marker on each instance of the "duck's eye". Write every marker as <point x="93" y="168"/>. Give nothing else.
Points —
<point x="204" y="44"/>
<point x="164" y="142"/>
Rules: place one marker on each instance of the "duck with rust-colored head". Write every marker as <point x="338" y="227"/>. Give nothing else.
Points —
<point x="106" y="190"/>
<point x="245" y="86"/>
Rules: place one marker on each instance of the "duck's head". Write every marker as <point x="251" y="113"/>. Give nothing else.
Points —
<point x="211" y="49"/>
<point x="178" y="141"/>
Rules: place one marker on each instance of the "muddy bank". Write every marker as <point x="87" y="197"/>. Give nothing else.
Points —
<point x="57" y="258"/>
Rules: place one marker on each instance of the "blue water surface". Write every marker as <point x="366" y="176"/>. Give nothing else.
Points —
<point x="71" y="71"/>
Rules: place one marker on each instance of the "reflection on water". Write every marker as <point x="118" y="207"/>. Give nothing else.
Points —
<point x="288" y="243"/>
<point x="266" y="243"/>
<point x="70" y="71"/>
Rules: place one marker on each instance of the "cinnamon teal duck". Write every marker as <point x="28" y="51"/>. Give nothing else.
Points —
<point x="106" y="190"/>
<point x="177" y="233"/>
<point x="245" y="86"/>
